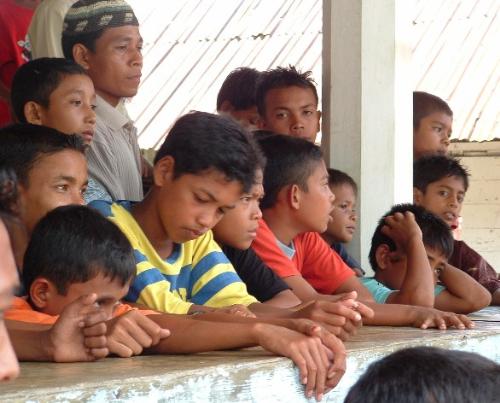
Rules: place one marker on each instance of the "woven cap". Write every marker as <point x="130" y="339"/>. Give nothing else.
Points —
<point x="87" y="16"/>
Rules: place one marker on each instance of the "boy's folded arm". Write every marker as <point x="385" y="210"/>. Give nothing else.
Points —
<point x="284" y="299"/>
<point x="463" y="294"/>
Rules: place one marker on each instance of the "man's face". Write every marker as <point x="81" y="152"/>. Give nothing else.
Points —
<point x="191" y="205"/>
<point x="109" y="293"/>
<point x="343" y="223"/>
<point x="71" y="107"/>
<point x="433" y="135"/>
<point x="9" y="281"/>
<point x="115" y="67"/>
<point x="316" y="203"/>
<point x="238" y="227"/>
<point x="292" y="111"/>
<point x="55" y="180"/>
<point x="443" y="198"/>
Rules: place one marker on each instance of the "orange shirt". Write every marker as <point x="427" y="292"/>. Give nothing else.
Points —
<point x="22" y="311"/>
<point x="314" y="260"/>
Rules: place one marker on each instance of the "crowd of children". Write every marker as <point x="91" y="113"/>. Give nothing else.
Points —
<point x="240" y="238"/>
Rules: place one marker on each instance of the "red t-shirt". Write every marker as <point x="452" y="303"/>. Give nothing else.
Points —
<point x="314" y="260"/>
<point x="14" y="23"/>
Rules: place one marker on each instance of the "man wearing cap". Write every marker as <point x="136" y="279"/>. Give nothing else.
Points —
<point x="103" y="37"/>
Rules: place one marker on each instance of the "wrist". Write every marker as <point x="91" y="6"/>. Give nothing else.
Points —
<point x="46" y="345"/>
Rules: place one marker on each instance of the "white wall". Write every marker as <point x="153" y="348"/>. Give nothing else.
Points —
<point x="481" y="210"/>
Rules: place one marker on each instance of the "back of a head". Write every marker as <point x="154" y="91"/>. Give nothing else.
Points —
<point x="86" y="21"/>
<point x="339" y="178"/>
<point x="425" y="104"/>
<point x="73" y="244"/>
<point x="290" y="160"/>
<point x="429" y="169"/>
<point x="21" y="145"/>
<point x="428" y="375"/>
<point x="36" y="80"/>
<point x="201" y="141"/>
<point x="239" y="89"/>
<point x="282" y="77"/>
<point x="436" y="233"/>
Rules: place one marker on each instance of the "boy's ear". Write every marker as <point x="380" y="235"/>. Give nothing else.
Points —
<point x="40" y="292"/>
<point x="417" y="196"/>
<point x="294" y="196"/>
<point x="319" y="121"/>
<point x="81" y="55"/>
<point x="226" y="106"/>
<point x="163" y="170"/>
<point x="33" y="112"/>
<point x="382" y="256"/>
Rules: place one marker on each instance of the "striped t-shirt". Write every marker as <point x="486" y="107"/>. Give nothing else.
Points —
<point x="197" y="272"/>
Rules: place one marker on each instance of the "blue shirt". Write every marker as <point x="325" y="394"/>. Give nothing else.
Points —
<point x="381" y="292"/>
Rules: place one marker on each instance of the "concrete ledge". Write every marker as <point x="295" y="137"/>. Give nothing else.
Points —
<point x="233" y="376"/>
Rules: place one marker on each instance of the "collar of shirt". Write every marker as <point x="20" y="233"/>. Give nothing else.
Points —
<point x="111" y="116"/>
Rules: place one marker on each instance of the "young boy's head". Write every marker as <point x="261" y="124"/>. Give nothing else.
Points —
<point x="103" y="37"/>
<point x="202" y="169"/>
<point x="296" y="181"/>
<point x="237" y="96"/>
<point x="287" y="102"/>
<point x="238" y="227"/>
<point x="432" y="123"/>
<point x="428" y="375"/>
<point x="389" y="263"/>
<point x="75" y="251"/>
<point x="439" y="185"/>
<point x="57" y="93"/>
<point x="343" y="224"/>
<point x="51" y="168"/>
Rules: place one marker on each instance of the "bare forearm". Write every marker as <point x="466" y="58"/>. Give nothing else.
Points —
<point x="30" y="344"/>
<point x="390" y="315"/>
<point x="284" y="299"/>
<point x="495" y="298"/>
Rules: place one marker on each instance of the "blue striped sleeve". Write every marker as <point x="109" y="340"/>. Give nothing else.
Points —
<point x="141" y="281"/>
<point x="214" y="286"/>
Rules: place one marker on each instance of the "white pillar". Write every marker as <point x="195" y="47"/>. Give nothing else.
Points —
<point x="367" y="105"/>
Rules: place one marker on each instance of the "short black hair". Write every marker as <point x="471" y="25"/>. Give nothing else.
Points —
<point x="290" y="160"/>
<point x="283" y="77"/>
<point x="425" y="104"/>
<point x="430" y="169"/>
<point x="36" y="80"/>
<point x="201" y="141"/>
<point x="239" y="88"/>
<point x="428" y="375"/>
<point x="8" y="190"/>
<point x="22" y="145"/>
<point x="436" y="233"/>
<point x="338" y="178"/>
<point x="73" y="244"/>
<point x="86" y="39"/>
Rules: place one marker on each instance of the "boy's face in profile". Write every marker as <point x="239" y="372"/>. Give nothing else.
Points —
<point x="71" y="107"/>
<point x="192" y="204"/>
<point x="316" y="203"/>
<point x="293" y="111"/>
<point x="44" y="295"/>
<point x="343" y="223"/>
<point x="443" y="198"/>
<point x="238" y="227"/>
<point x="395" y="267"/>
<point x="57" y="179"/>
<point x="115" y="66"/>
<point x="433" y="135"/>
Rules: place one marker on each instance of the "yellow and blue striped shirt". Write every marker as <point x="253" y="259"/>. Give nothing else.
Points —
<point x="197" y="271"/>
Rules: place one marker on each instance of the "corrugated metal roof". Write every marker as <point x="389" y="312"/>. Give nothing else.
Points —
<point x="191" y="46"/>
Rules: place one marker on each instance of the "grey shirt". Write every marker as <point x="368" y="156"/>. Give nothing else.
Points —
<point x="114" y="158"/>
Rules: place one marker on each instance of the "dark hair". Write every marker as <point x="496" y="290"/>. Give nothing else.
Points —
<point x="37" y="80"/>
<point x="8" y="191"/>
<point x="282" y="77"/>
<point x="22" y="145"/>
<point x="425" y="104"/>
<point x="290" y="160"/>
<point x="73" y="244"/>
<point x="239" y="88"/>
<point x="428" y="375"/>
<point x="436" y="233"/>
<point x="430" y="169"/>
<point x="86" y="39"/>
<point x="338" y="178"/>
<point x="201" y="141"/>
